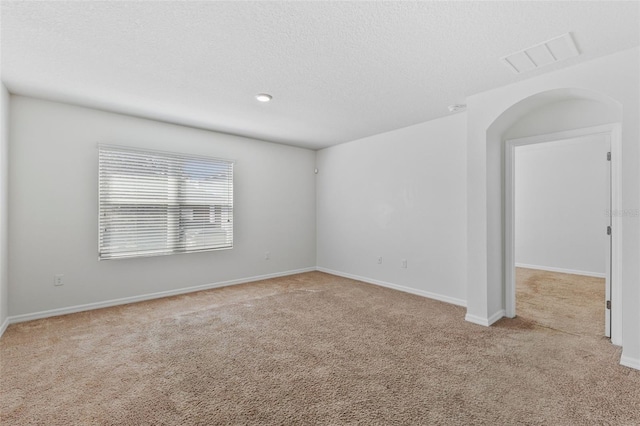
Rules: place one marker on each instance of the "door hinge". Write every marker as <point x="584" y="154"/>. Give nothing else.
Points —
<point x="608" y="304"/>
<point x="608" y="156"/>
<point x="608" y="230"/>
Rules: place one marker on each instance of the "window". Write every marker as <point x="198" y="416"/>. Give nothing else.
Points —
<point x="156" y="203"/>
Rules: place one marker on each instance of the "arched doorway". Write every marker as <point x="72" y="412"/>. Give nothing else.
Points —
<point x="553" y="111"/>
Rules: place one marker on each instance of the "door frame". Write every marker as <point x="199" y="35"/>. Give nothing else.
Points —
<point x="613" y="131"/>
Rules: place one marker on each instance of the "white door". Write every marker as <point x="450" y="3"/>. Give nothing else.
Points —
<point x="609" y="214"/>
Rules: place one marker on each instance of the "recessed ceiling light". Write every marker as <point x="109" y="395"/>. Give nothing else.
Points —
<point x="263" y="97"/>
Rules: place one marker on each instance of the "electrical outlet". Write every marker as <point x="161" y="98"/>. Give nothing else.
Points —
<point x="58" y="280"/>
<point x="380" y="260"/>
<point x="404" y="263"/>
<point x="267" y="255"/>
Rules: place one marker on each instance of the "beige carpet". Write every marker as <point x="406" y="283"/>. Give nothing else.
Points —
<point x="307" y="349"/>
<point x="570" y="303"/>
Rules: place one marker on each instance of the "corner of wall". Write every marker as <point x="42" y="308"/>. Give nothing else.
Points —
<point x="486" y="322"/>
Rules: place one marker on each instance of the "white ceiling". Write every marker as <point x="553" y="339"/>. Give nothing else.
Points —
<point x="338" y="71"/>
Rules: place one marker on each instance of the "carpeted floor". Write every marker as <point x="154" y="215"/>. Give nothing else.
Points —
<point x="570" y="303"/>
<point x="307" y="349"/>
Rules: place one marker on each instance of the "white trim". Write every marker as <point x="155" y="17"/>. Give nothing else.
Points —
<point x="614" y="132"/>
<point x="486" y="322"/>
<point x="616" y="236"/>
<point x="630" y="362"/>
<point x="427" y="294"/>
<point x="564" y="136"/>
<point x="550" y="145"/>
<point x="561" y="270"/>
<point x="495" y="317"/>
<point x="4" y="326"/>
<point x="477" y="320"/>
<point x="509" y="242"/>
<point x="149" y="296"/>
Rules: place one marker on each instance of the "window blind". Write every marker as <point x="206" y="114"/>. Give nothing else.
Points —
<point x="157" y="203"/>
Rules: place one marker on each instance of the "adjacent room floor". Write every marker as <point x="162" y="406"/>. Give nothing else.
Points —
<point x="564" y="302"/>
<point x="307" y="349"/>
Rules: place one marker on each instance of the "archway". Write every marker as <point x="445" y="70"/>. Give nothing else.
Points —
<point x="554" y="111"/>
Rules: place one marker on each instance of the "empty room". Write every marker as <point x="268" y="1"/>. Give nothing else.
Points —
<point x="256" y="212"/>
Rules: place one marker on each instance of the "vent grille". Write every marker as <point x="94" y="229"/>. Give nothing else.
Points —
<point x="546" y="53"/>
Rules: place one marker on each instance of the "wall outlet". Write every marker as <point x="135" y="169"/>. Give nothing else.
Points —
<point x="267" y="255"/>
<point x="58" y="280"/>
<point x="404" y="263"/>
<point x="380" y="260"/>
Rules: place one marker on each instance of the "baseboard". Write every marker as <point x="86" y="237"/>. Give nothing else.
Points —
<point x="561" y="270"/>
<point x="427" y="294"/>
<point x="486" y="322"/>
<point x="477" y="320"/>
<point x="4" y="326"/>
<point x="630" y="362"/>
<point x="144" y="297"/>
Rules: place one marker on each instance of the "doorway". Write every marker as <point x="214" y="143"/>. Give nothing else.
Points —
<point x="562" y="260"/>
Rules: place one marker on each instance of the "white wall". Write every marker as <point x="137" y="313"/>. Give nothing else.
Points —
<point x="53" y="202"/>
<point x="614" y="77"/>
<point x="399" y="195"/>
<point x="4" y="208"/>
<point x="561" y="205"/>
<point x="561" y="115"/>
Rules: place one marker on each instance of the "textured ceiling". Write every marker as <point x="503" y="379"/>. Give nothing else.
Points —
<point x="338" y="71"/>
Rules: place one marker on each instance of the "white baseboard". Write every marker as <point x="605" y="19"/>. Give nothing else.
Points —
<point x="427" y="294"/>
<point x="561" y="270"/>
<point x="630" y="362"/>
<point x="486" y="322"/>
<point x="4" y="326"/>
<point x="477" y="320"/>
<point x="498" y="315"/>
<point x="143" y="297"/>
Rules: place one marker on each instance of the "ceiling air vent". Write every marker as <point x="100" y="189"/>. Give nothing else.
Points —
<point x="549" y="52"/>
